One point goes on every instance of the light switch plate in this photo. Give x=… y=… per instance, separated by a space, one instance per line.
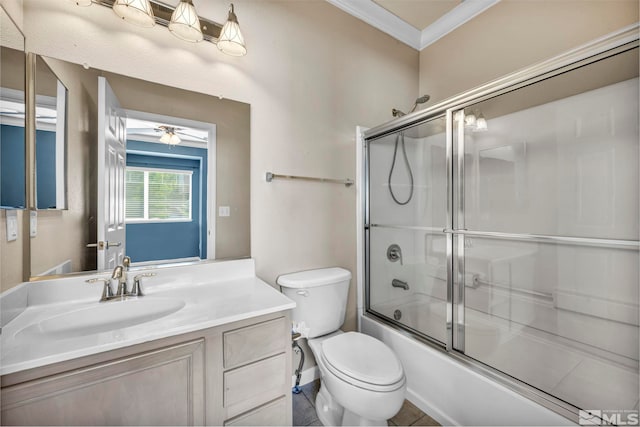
x=33 y=223
x=224 y=211
x=12 y=225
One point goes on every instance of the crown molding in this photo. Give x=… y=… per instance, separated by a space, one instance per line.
x=456 y=17
x=379 y=17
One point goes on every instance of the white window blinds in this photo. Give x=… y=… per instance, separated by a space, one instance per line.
x=157 y=195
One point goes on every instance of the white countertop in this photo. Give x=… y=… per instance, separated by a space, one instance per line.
x=207 y=303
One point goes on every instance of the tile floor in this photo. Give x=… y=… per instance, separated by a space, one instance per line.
x=304 y=411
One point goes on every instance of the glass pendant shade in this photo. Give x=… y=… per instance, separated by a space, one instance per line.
x=470 y=120
x=165 y=138
x=481 y=124
x=185 y=23
x=170 y=137
x=82 y=2
x=231 y=41
x=137 y=12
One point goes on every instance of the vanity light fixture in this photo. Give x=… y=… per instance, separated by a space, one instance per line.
x=231 y=41
x=169 y=136
x=137 y=12
x=185 y=23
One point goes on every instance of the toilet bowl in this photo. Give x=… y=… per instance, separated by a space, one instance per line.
x=362 y=380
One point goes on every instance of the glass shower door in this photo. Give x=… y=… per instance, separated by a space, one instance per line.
x=407 y=215
x=547 y=234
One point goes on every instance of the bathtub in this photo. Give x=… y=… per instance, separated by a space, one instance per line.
x=452 y=392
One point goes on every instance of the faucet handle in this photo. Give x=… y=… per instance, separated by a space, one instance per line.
x=126 y=262
x=107 y=292
x=137 y=286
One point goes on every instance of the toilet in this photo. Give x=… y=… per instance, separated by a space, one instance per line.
x=362 y=382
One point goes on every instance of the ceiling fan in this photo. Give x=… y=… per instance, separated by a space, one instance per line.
x=168 y=134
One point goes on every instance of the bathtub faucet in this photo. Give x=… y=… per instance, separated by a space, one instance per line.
x=400 y=284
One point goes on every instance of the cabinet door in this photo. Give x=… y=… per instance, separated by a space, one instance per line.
x=161 y=387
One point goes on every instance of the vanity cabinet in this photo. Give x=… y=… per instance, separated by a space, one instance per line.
x=235 y=374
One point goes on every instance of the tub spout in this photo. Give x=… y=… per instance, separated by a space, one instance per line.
x=400 y=284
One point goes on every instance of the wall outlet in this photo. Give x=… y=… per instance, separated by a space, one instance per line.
x=224 y=211
x=33 y=223
x=12 y=225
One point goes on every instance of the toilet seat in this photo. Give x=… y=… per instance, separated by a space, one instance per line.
x=363 y=361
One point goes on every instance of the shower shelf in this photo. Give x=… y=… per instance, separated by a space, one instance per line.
x=346 y=182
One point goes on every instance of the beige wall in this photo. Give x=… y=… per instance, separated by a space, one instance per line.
x=514 y=34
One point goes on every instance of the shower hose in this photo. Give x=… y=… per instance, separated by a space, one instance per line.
x=400 y=141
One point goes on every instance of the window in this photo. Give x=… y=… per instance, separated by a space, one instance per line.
x=157 y=195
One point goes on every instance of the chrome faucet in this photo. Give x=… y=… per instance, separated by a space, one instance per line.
x=119 y=275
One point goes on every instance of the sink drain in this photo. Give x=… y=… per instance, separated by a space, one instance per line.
x=397 y=315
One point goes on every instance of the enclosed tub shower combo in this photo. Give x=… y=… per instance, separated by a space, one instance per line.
x=501 y=227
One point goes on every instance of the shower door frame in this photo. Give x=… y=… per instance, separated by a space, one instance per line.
x=620 y=41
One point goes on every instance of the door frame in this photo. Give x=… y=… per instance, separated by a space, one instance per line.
x=211 y=165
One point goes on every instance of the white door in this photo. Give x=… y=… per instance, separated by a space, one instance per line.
x=112 y=156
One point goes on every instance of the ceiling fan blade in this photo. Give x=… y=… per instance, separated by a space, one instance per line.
x=188 y=135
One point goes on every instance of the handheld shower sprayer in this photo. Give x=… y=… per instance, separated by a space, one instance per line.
x=400 y=139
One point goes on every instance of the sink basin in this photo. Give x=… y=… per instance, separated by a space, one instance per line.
x=103 y=317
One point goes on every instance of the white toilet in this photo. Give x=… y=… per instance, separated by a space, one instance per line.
x=362 y=380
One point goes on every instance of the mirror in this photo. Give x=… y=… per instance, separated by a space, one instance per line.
x=12 y=113
x=173 y=203
x=51 y=138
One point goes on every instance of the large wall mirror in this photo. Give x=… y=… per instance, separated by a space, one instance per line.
x=12 y=115
x=51 y=138
x=155 y=172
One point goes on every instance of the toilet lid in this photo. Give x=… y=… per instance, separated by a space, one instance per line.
x=362 y=358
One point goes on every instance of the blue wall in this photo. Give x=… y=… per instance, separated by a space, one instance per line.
x=12 y=164
x=159 y=241
x=46 y=169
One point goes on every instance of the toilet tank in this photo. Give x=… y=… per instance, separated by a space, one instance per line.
x=320 y=296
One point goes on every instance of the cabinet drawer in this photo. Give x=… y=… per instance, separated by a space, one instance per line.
x=254 y=384
x=254 y=342
x=272 y=414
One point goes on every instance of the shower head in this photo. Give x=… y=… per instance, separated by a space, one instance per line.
x=420 y=100
x=423 y=99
